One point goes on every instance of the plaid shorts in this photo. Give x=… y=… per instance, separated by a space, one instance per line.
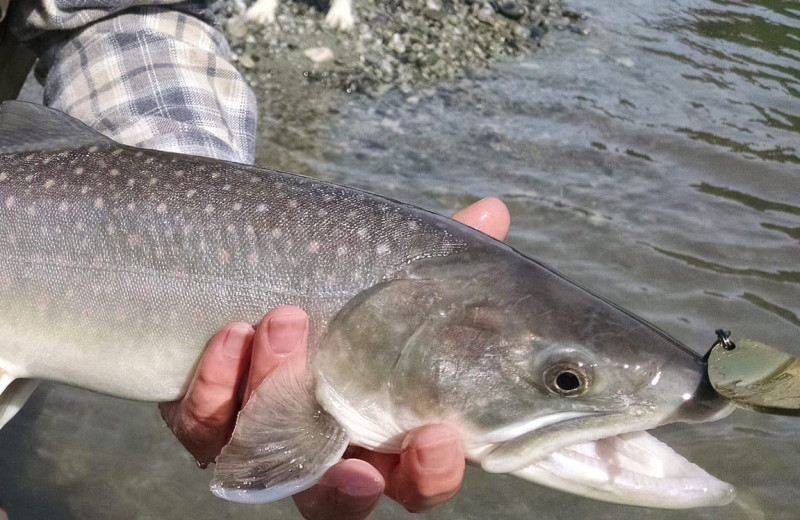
x=149 y=76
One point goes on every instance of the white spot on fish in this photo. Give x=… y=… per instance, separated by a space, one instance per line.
x=412 y=224
x=116 y=151
x=292 y=203
x=224 y=256
x=237 y=206
x=98 y=203
x=210 y=209
x=254 y=179
x=227 y=187
x=179 y=173
x=341 y=251
x=79 y=171
x=252 y=259
x=153 y=181
x=131 y=182
x=49 y=183
x=250 y=230
x=382 y=249
x=111 y=229
x=93 y=148
x=63 y=206
x=79 y=226
x=162 y=208
x=190 y=194
x=362 y=232
x=313 y=247
x=28 y=178
x=261 y=208
x=139 y=153
x=3 y=176
x=113 y=172
x=276 y=233
x=322 y=213
x=214 y=175
x=231 y=229
x=31 y=211
x=131 y=206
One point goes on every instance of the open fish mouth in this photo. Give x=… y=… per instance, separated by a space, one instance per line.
x=631 y=468
x=596 y=456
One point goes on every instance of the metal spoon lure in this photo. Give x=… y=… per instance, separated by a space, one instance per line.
x=754 y=376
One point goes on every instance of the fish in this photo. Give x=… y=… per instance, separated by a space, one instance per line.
x=117 y=264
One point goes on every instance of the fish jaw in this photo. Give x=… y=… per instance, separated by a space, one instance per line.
x=633 y=469
x=607 y=456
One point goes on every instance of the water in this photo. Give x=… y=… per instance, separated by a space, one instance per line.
x=655 y=161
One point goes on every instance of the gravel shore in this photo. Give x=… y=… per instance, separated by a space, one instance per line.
x=300 y=68
x=394 y=44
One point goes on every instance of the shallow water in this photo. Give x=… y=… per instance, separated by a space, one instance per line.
x=655 y=161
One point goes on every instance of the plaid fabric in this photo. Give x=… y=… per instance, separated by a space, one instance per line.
x=149 y=76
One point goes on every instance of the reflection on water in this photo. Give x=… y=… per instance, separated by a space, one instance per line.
x=655 y=161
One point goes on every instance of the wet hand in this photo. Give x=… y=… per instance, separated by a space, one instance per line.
x=427 y=472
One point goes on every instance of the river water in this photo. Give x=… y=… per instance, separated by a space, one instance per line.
x=655 y=160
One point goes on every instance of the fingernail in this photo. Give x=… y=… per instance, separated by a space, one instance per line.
x=234 y=341
x=437 y=456
x=347 y=489
x=284 y=333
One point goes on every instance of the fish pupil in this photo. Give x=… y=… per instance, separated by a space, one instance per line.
x=568 y=381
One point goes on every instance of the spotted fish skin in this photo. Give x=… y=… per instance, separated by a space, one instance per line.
x=118 y=264
x=128 y=260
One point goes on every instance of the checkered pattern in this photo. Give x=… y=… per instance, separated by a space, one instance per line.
x=149 y=76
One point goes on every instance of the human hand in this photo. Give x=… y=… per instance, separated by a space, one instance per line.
x=427 y=472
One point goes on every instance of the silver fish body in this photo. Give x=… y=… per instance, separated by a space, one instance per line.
x=118 y=264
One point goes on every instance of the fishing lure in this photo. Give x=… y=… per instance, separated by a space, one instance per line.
x=754 y=376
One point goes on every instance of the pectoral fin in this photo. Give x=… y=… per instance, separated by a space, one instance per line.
x=283 y=443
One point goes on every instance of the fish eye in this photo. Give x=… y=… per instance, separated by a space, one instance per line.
x=567 y=379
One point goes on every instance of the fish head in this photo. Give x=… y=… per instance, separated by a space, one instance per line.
x=542 y=378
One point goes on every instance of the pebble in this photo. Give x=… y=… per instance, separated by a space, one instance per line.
x=485 y=14
x=318 y=54
x=511 y=9
x=247 y=61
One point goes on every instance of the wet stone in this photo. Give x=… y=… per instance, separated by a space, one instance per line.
x=512 y=9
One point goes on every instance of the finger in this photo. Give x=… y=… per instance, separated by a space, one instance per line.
x=350 y=490
x=431 y=468
x=282 y=334
x=488 y=215
x=202 y=420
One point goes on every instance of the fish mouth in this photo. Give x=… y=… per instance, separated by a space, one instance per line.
x=625 y=466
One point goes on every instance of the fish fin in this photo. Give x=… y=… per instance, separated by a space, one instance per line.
x=283 y=442
x=28 y=127
x=13 y=394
